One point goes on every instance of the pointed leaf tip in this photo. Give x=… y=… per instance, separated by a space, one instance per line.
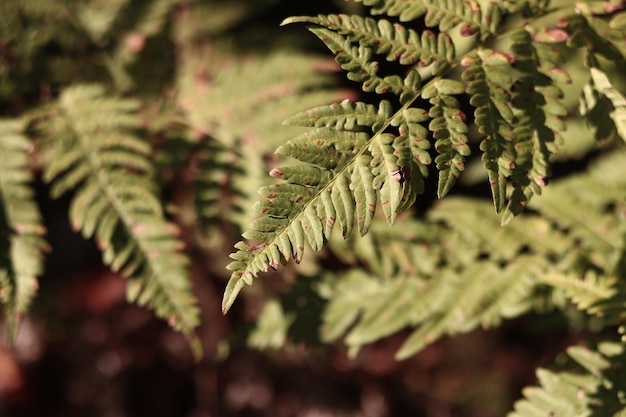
x=507 y=217
x=290 y=20
x=234 y=286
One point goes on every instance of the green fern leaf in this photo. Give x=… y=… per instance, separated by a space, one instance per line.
x=94 y=152
x=473 y=16
x=365 y=308
x=527 y=7
x=358 y=63
x=22 y=244
x=348 y=294
x=343 y=116
x=585 y=198
x=593 y=387
x=344 y=167
x=240 y=119
x=344 y=172
x=533 y=131
x=228 y=109
x=488 y=82
x=449 y=128
x=462 y=242
x=384 y=163
x=587 y=293
x=388 y=252
x=393 y=40
x=10 y=26
x=385 y=311
x=213 y=164
x=483 y=294
x=271 y=327
x=97 y=19
x=476 y=223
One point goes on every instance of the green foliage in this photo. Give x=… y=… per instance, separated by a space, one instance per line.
x=94 y=151
x=593 y=387
x=359 y=156
x=455 y=268
x=22 y=243
x=160 y=120
x=100 y=112
x=471 y=272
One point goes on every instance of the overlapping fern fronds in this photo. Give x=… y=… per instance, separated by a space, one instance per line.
x=363 y=308
x=22 y=243
x=359 y=156
x=94 y=151
x=458 y=269
x=241 y=120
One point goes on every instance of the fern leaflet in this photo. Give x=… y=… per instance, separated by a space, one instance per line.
x=444 y=14
x=393 y=40
x=449 y=129
x=22 y=243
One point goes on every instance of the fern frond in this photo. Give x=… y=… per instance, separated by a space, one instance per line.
x=587 y=293
x=473 y=16
x=240 y=119
x=475 y=222
x=367 y=309
x=483 y=294
x=576 y=213
x=22 y=244
x=388 y=252
x=358 y=295
x=534 y=128
x=95 y=153
x=487 y=75
x=527 y=7
x=358 y=63
x=38 y=23
x=350 y=166
x=45 y=10
x=343 y=116
x=217 y=103
x=393 y=40
x=449 y=130
x=10 y=25
x=344 y=172
x=213 y=164
x=461 y=242
x=594 y=386
x=579 y=205
x=213 y=19
x=271 y=327
x=97 y=18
